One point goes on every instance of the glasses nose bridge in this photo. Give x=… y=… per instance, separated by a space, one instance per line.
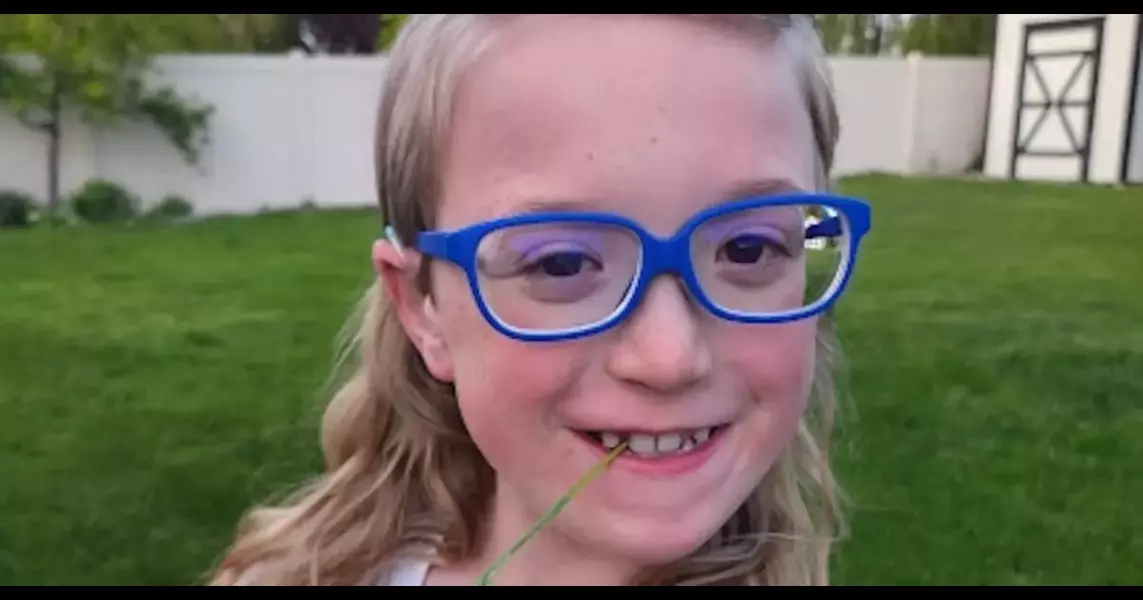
x=666 y=256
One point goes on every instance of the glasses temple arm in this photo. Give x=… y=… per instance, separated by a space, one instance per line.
x=830 y=227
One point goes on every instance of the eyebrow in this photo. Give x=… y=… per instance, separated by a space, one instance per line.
x=539 y=204
x=736 y=191
x=761 y=187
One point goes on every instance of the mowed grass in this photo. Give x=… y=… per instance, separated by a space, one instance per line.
x=156 y=382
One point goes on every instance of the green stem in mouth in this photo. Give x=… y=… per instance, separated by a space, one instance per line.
x=552 y=513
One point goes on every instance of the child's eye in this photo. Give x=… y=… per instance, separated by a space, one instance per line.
x=747 y=249
x=561 y=263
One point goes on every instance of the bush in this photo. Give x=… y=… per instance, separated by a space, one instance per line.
x=17 y=209
x=390 y=27
x=172 y=207
x=100 y=201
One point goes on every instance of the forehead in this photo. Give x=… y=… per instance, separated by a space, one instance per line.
x=651 y=117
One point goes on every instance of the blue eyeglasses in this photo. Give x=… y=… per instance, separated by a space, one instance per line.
x=565 y=275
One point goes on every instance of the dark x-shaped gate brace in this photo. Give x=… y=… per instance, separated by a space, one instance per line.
x=1080 y=145
x=1058 y=104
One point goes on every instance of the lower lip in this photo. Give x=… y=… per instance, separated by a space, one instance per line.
x=671 y=464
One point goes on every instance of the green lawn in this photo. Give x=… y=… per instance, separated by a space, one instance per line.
x=155 y=382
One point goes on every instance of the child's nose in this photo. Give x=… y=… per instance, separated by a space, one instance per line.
x=661 y=346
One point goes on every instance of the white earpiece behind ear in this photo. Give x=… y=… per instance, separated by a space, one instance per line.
x=391 y=235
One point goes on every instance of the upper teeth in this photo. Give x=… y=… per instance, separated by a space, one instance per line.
x=666 y=443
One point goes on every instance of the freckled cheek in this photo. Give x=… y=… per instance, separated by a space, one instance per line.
x=508 y=391
x=774 y=362
x=509 y=397
x=510 y=380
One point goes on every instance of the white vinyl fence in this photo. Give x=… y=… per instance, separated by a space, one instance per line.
x=294 y=129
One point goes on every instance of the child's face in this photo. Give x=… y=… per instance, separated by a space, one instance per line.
x=653 y=119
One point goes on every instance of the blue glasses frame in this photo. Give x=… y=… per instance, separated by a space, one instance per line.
x=660 y=256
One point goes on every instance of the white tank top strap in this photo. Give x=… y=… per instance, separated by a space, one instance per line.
x=407 y=572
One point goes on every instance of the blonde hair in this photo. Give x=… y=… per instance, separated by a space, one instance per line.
x=402 y=473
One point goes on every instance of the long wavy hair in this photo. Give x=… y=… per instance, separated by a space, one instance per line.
x=402 y=475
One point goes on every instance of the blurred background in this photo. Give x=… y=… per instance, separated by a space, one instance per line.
x=184 y=226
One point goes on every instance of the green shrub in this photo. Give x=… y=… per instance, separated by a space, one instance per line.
x=17 y=209
x=101 y=201
x=172 y=207
x=390 y=28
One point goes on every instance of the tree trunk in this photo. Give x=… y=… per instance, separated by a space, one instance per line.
x=52 y=127
x=878 y=32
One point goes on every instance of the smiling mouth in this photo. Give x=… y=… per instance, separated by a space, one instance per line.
x=648 y=445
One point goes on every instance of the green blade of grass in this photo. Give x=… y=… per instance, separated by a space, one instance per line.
x=552 y=513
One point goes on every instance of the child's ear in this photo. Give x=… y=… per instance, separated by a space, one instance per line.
x=432 y=345
x=398 y=268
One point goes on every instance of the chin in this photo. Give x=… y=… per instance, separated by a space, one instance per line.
x=648 y=541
